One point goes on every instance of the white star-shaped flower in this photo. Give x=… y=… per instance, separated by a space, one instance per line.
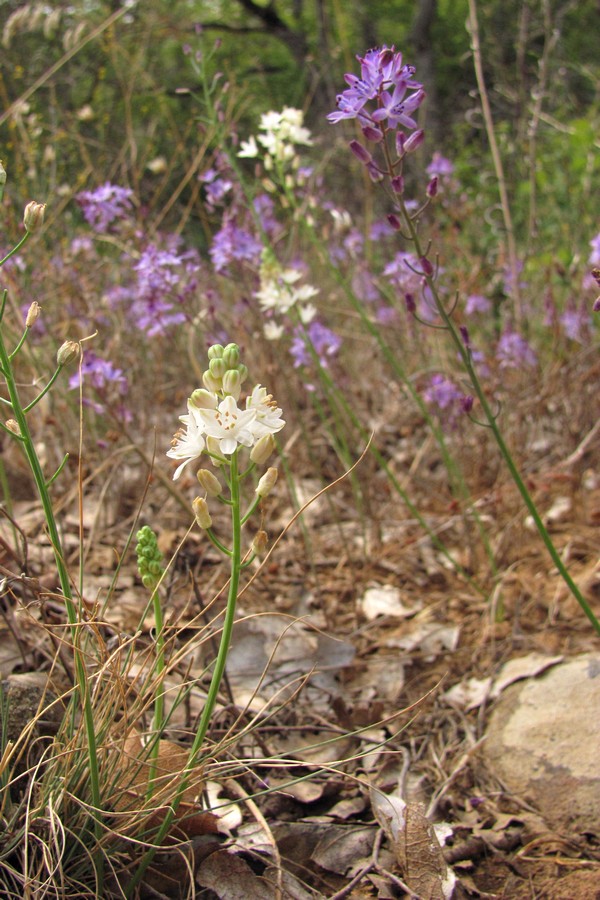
x=189 y=444
x=268 y=415
x=229 y=425
x=249 y=148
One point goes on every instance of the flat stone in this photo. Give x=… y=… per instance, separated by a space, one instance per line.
x=543 y=742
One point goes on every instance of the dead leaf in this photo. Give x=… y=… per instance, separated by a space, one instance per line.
x=231 y=878
x=415 y=845
x=385 y=600
x=342 y=849
x=131 y=786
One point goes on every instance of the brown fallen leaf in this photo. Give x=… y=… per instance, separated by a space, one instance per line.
x=415 y=845
x=131 y=787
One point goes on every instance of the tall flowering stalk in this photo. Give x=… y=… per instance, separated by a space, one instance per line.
x=236 y=439
x=383 y=99
x=18 y=429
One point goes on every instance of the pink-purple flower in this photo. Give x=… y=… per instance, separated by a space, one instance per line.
x=107 y=204
x=384 y=93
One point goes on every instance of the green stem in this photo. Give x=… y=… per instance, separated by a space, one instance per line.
x=215 y=684
x=44 y=391
x=159 y=702
x=491 y=421
x=70 y=607
x=14 y=250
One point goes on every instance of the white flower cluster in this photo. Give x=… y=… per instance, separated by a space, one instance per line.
x=279 y=292
x=214 y=422
x=283 y=131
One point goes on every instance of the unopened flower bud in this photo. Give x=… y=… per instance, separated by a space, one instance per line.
x=211 y=383
x=215 y=351
x=243 y=370
x=398 y=184
x=267 y=482
x=259 y=543
x=2 y=175
x=426 y=266
x=413 y=142
x=400 y=141
x=375 y=174
x=596 y=306
x=232 y=383
x=33 y=314
x=372 y=134
x=33 y=217
x=213 y=448
x=231 y=355
x=68 y=352
x=262 y=449
x=466 y=403
x=200 y=507
x=203 y=399
x=411 y=305
x=13 y=426
x=209 y=482
x=432 y=187
x=394 y=221
x=464 y=333
x=217 y=367
x=360 y=152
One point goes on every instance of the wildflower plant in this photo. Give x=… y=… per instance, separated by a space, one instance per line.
x=383 y=100
x=236 y=440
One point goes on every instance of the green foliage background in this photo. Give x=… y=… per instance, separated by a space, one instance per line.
x=123 y=98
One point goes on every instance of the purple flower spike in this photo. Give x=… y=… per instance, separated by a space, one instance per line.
x=513 y=351
x=380 y=96
x=105 y=205
x=442 y=392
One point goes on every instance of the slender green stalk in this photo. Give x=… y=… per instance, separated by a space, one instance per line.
x=19 y=413
x=217 y=676
x=492 y=423
x=159 y=700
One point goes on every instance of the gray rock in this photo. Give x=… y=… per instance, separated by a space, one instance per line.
x=543 y=742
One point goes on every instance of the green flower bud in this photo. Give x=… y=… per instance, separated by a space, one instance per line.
x=243 y=370
x=215 y=352
x=148 y=558
x=232 y=383
x=200 y=507
x=231 y=355
x=209 y=482
x=211 y=383
x=262 y=449
x=217 y=367
x=267 y=482
x=203 y=399
x=33 y=217
x=68 y=352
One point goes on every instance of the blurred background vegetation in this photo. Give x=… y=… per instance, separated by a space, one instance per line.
x=93 y=90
